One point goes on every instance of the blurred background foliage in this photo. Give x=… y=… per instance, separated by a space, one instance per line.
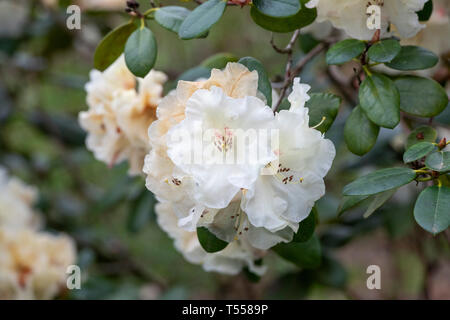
x=121 y=250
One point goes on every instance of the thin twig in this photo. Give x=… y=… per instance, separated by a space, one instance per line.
x=291 y=74
x=288 y=48
x=344 y=86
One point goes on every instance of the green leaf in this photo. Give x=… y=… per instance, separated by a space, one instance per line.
x=349 y=202
x=303 y=254
x=439 y=161
x=219 y=60
x=112 y=46
x=421 y=96
x=263 y=80
x=331 y=273
x=379 y=181
x=277 y=8
x=421 y=134
x=251 y=276
x=323 y=105
x=307 y=42
x=431 y=210
x=425 y=13
x=195 y=73
x=140 y=52
x=306 y=227
x=360 y=133
x=344 y=51
x=171 y=17
x=380 y=100
x=378 y=200
x=303 y=18
x=141 y=213
x=209 y=242
x=417 y=151
x=201 y=19
x=384 y=50
x=413 y=58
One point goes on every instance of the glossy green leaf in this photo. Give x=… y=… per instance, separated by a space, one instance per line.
x=413 y=58
x=303 y=254
x=112 y=46
x=360 y=133
x=209 y=242
x=323 y=105
x=201 y=19
x=377 y=201
x=417 y=151
x=277 y=8
x=421 y=96
x=349 y=202
x=171 y=17
x=140 y=52
x=379 y=181
x=439 y=161
x=421 y=134
x=344 y=51
x=331 y=273
x=307 y=42
x=425 y=13
x=431 y=210
x=306 y=227
x=384 y=50
x=219 y=60
x=380 y=100
x=303 y=18
x=264 y=85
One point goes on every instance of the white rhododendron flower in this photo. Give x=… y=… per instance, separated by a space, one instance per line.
x=312 y=4
x=231 y=260
x=120 y=113
x=304 y=157
x=398 y=17
x=33 y=264
x=164 y=179
x=16 y=203
x=213 y=119
x=234 y=200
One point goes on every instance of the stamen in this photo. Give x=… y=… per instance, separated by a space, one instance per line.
x=321 y=121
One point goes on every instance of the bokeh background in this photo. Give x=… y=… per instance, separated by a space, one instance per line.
x=122 y=252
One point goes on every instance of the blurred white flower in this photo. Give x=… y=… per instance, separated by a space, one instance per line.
x=351 y=16
x=33 y=264
x=231 y=260
x=16 y=203
x=120 y=113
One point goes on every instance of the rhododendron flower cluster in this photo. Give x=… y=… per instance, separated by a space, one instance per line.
x=33 y=263
x=235 y=201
